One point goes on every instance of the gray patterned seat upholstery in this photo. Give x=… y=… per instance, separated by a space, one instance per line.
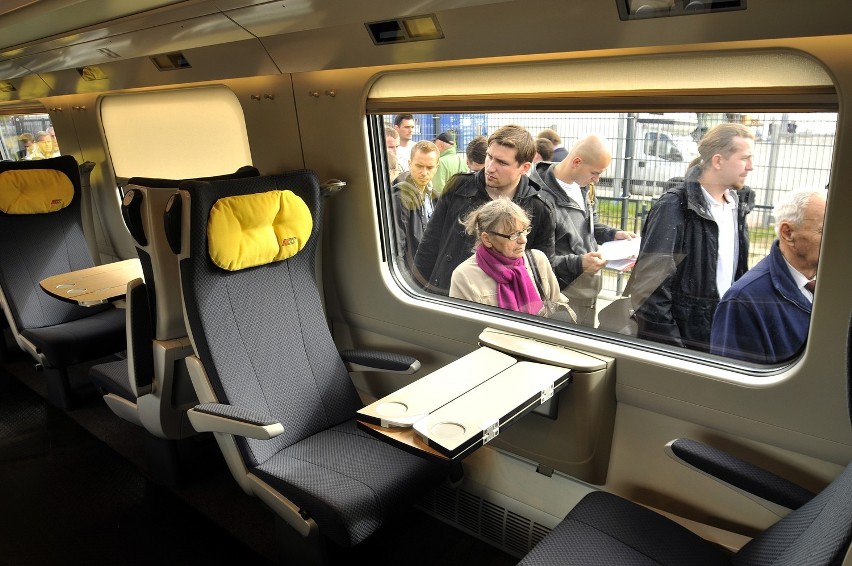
x=606 y=529
x=266 y=361
x=57 y=334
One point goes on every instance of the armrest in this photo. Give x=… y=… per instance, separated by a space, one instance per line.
x=375 y=360
x=216 y=417
x=740 y=474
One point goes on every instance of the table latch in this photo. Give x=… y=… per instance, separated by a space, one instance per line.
x=547 y=393
x=490 y=431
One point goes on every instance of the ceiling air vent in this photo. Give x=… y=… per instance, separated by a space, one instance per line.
x=415 y=28
x=170 y=61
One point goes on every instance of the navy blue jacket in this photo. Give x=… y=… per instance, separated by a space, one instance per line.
x=763 y=317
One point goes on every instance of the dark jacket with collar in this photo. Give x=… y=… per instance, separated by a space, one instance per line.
x=559 y=153
x=410 y=217
x=763 y=317
x=445 y=245
x=574 y=236
x=673 y=285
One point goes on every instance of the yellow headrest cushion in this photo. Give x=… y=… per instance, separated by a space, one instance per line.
x=249 y=230
x=34 y=191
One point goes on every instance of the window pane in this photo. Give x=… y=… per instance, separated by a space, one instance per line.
x=680 y=276
x=27 y=137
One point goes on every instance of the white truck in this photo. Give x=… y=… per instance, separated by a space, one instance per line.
x=656 y=155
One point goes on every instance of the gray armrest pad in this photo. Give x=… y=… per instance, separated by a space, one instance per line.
x=376 y=360
x=741 y=474
x=217 y=417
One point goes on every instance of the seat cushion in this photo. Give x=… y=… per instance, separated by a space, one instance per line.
x=347 y=481
x=604 y=529
x=80 y=340
x=113 y=377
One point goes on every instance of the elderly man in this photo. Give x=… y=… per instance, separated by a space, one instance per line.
x=764 y=316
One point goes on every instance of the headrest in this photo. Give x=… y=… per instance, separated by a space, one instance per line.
x=157 y=183
x=250 y=230
x=34 y=191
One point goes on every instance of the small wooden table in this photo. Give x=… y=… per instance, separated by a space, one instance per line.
x=453 y=411
x=94 y=285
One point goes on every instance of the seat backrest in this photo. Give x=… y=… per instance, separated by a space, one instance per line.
x=260 y=332
x=820 y=531
x=36 y=246
x=154 y=309
x=143 y=208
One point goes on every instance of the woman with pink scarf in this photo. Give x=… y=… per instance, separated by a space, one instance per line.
x=500 y=273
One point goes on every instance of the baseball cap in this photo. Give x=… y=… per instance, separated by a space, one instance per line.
x=444 y=137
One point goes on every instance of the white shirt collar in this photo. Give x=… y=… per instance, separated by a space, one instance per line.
x=800 y=280
x=729 y=199
x=573 y=191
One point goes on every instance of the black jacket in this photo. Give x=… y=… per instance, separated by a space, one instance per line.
x=409 y=215
x=445 y=245
x=574 y=236
x=673 y=285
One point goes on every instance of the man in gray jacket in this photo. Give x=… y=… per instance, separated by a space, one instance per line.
x=576 y=262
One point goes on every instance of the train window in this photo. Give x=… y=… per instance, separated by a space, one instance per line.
x=657 y=179
x=174 y=133
x=27 y=137
x=651 y=130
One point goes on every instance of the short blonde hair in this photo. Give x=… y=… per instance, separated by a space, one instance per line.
x=425 y=146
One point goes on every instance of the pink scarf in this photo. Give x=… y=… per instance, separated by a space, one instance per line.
x=515 y=289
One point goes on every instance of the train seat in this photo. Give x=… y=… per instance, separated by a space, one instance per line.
x=606 y=529
x=150 y=388
x=41 y=241
x=272 y=386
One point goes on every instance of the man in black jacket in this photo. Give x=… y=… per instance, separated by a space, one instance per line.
x=413 y=198
x=694 y=243
x=445 y=245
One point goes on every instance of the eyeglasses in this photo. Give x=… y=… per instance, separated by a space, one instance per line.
x=514 y=235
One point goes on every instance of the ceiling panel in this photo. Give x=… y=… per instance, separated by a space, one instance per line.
x=23 y=22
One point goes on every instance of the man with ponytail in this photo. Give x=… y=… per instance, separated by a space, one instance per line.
x=694 y=243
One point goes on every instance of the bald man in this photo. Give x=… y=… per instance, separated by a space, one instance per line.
x=577 y=263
